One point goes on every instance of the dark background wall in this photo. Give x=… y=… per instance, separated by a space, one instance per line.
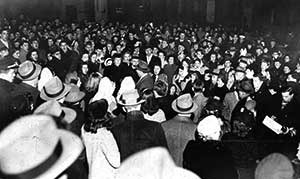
x=238 y=12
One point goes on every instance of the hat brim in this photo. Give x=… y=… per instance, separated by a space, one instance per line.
x=78 y=98
x=130 y=104
x=33 y=76
x=175 y=108
x=145 y=70
x=72 y=148
x=64 y=93
x=70 y=115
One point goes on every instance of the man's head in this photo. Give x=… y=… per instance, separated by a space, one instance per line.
x=117 y=59
x=258 y=80
x=63 y=46
x=8 y=69
x=287 y=94
x=4 y=34
x=24 y=45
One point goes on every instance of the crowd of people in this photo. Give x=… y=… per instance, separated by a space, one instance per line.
x=114 y=100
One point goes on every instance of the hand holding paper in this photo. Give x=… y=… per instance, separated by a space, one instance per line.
x=273 y=125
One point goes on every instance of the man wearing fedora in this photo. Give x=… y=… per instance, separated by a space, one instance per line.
x=55 y=89
x=145 y=81
x=40 y=150
x=136 y=133
x=28 y=72
x=180 y=129
x=7 y=89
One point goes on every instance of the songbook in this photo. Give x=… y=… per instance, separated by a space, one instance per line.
x=273 y=125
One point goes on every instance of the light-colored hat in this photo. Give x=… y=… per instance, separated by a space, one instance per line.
x=130 y=98
x=28 y=71
x=54 y=89
x=75 y=95
x=159 y=165
x=210 y=127
x=33 y=147
x=184 y=104
x=53 y=108
x=274 y=166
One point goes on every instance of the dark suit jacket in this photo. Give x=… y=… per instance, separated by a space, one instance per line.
x=24 y=88
x=136 y=134
x=7 y=93
x=145 y=82
x=209 y=160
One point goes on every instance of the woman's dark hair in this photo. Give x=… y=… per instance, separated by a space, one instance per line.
x=97 y=116
x=212 y=107
x=150 y=106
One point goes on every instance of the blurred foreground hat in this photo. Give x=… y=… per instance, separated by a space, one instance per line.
x=33 y=147
x=159 y=165
x=274 y=166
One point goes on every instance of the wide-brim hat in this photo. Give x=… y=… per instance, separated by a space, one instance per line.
x=8 y=63
x=159 y=165
x=54 y=89
x=184 y=104
x=130 y=98
x=28 y=71
x=38 y=150
x=53 y=108
x=143 y=66
x=75 y=95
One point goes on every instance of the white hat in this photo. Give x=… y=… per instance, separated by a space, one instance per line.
x=153 y=163
x=210 y=127
x=33 y=147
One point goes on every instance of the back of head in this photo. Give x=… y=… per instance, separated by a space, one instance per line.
x=151 y=105
x=274 y=166
x=161 y=88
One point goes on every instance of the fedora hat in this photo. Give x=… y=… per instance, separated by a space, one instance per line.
x=130 y=98
x=8 y=63
x=184 y=104
x=53 y=108
x=75 y=95
x=33 y=147
x=28 y=71
x=159 y=165
x=143 y=66
x=54 y=89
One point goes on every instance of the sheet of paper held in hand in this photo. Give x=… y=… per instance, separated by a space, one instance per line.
x=273 y=125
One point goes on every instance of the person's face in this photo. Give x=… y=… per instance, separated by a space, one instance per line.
x=156 y=70
x=180 y=48
x=16 y=54
x=213 y=57
x=197 y=64
x=275 y=55
x=259 y=51
x=239 y=75
x=64 y=47
x=264 y=66
x=85 y=57
x=277 y=64
x=286 y=69
x=4 y=35
x=185 y=65
x=57 y=55
x=181 y=36
x=117 y=61
x=214 y=79
x=134 y=62
x=50 y=42
x=172 y=90
x=287 y=97
x=148 y=51
x=85 y=69
x=35 y=44
x=242 y=94
x=25 y=46
x=227 y=64
x=161 y=55
x=220 y=83
x=34 y=56
x=257 y=83
x=126 y=57
x=93 y=58
x=286 y=59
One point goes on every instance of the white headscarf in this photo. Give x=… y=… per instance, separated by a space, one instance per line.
x=105 y=91
x=210 y=128
x=127 y=84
